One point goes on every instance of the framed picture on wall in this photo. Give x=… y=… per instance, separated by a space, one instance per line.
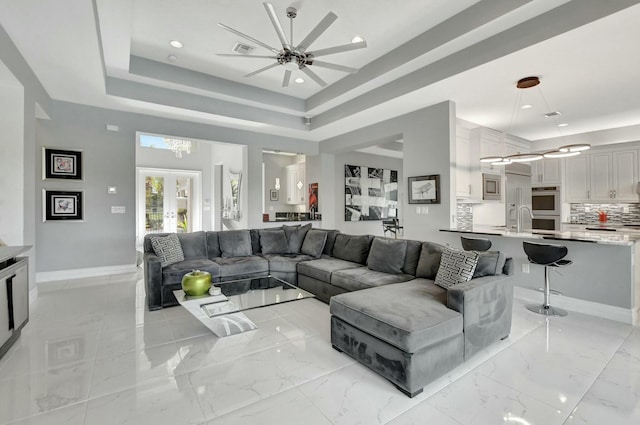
x=61 y=164
x=273 y=195
x=62 y=205
x=424 y=189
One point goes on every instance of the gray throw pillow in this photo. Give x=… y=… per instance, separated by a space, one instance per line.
x=295 y=236
x=456 y=267
x=273 y=242
x=168 y=249
x=352 y=248
x=387 y=255
x=490 y=263
x=235 y=243
x=314 y=243
x=429 y=261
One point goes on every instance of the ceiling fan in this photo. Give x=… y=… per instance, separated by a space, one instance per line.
x=292 y=56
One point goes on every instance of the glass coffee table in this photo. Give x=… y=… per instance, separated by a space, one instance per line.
x=222 y=314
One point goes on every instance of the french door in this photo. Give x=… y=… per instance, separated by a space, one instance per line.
x=168 y=201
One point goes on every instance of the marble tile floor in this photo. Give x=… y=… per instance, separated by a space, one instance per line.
x=92 y=354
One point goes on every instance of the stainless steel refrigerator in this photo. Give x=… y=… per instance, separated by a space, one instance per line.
x=518 y=195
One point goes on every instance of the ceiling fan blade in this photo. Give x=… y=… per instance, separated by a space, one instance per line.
x=317 y=31
x=248 y=37
x=287 y=78
x=273 y=65
x=334 y=66
x=237 y=55
x=276 y=24
x=313 y=76
x=339 y=49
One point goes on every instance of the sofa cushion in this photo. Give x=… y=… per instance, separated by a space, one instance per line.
x=423 y=321
x=194 y=244
x=235 y=243
x=314 y=243
x=456 y=266
x=490 y=263
x=429 y=261
x=387 y=255
x=273 y=242
x=285 y=263
x=331 y=240
x=351 y=247
x=173 y=273
x=242 y=266
x=363 y=278
x=213 y=245
x=168 y=249
x=322 y=268
x=295 y=236
x=412 y=257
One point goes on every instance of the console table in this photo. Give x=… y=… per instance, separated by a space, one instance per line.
x=14 y=294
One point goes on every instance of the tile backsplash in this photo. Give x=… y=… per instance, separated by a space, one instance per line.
x=464 y=216
x=616 y=213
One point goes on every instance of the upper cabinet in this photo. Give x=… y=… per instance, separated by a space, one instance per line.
x=295 y=181
x=604 y=176
x=463 y=163
x=545 y=172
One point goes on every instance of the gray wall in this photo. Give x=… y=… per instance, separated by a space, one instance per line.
x=429 y=148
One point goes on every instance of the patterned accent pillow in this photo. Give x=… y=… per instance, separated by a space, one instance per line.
x=456 y=267
x=168 y=249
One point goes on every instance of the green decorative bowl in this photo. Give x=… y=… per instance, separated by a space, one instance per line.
x=196 y=283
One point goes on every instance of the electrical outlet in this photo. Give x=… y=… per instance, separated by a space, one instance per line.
x=418 y=210
x=525 y=267
x=118 y=210
x=425 y=210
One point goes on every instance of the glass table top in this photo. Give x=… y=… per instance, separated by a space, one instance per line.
x=246 y=294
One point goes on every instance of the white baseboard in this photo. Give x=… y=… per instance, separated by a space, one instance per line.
x=33 y=295
x=619 y=314
x=82 y=273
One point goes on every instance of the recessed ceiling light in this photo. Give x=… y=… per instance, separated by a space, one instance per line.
x=176 y=44
x=564 y=124
x=553 y=114
x=527 y=106
x=357 y=39
x=299 y=80
x=172 y=58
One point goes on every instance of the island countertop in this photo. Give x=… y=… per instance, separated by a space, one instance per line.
x=591 y=236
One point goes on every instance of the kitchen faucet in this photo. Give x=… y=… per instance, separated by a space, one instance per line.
x=519 y=219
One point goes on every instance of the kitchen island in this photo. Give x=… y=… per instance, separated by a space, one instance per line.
x=604 y=279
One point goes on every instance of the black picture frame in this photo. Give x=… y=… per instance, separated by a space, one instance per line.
x=65 y=164
x=62 y=205
x=424 y=189
x=273 y=195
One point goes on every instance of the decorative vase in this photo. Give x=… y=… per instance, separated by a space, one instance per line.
x=196 y=283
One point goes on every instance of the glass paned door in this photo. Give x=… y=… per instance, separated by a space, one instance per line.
x=169 y=202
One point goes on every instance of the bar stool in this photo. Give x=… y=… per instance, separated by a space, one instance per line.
x=546 y=255
x=475 y=244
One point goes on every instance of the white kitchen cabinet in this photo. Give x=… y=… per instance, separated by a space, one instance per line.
x=14 y=295
x=463 y=163
x=545 y=172
x=577 y=179
x=602 y=176
x=295 y=181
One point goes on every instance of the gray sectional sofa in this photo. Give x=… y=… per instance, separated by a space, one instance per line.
x=386 y=310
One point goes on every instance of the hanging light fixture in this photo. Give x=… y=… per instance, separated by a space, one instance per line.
x=178 y=146
x=561 y=152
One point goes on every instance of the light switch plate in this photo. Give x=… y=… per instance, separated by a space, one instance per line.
x=118 y=210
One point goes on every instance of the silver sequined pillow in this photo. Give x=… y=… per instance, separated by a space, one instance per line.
x=456 y=267
x=168 y=249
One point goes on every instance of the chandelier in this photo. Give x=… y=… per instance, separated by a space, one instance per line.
x=178 y=146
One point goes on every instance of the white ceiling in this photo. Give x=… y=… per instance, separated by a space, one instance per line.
x=114 y=54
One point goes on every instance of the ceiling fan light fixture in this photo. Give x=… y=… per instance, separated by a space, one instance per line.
x=579 y=147
x=176 y=43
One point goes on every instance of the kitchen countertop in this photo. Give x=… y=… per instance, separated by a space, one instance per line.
x=600 y=237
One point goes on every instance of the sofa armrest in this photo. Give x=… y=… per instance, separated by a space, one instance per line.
x=153 y=280
x=486 y=304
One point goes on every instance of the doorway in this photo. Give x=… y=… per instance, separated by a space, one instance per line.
x=168 y=201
